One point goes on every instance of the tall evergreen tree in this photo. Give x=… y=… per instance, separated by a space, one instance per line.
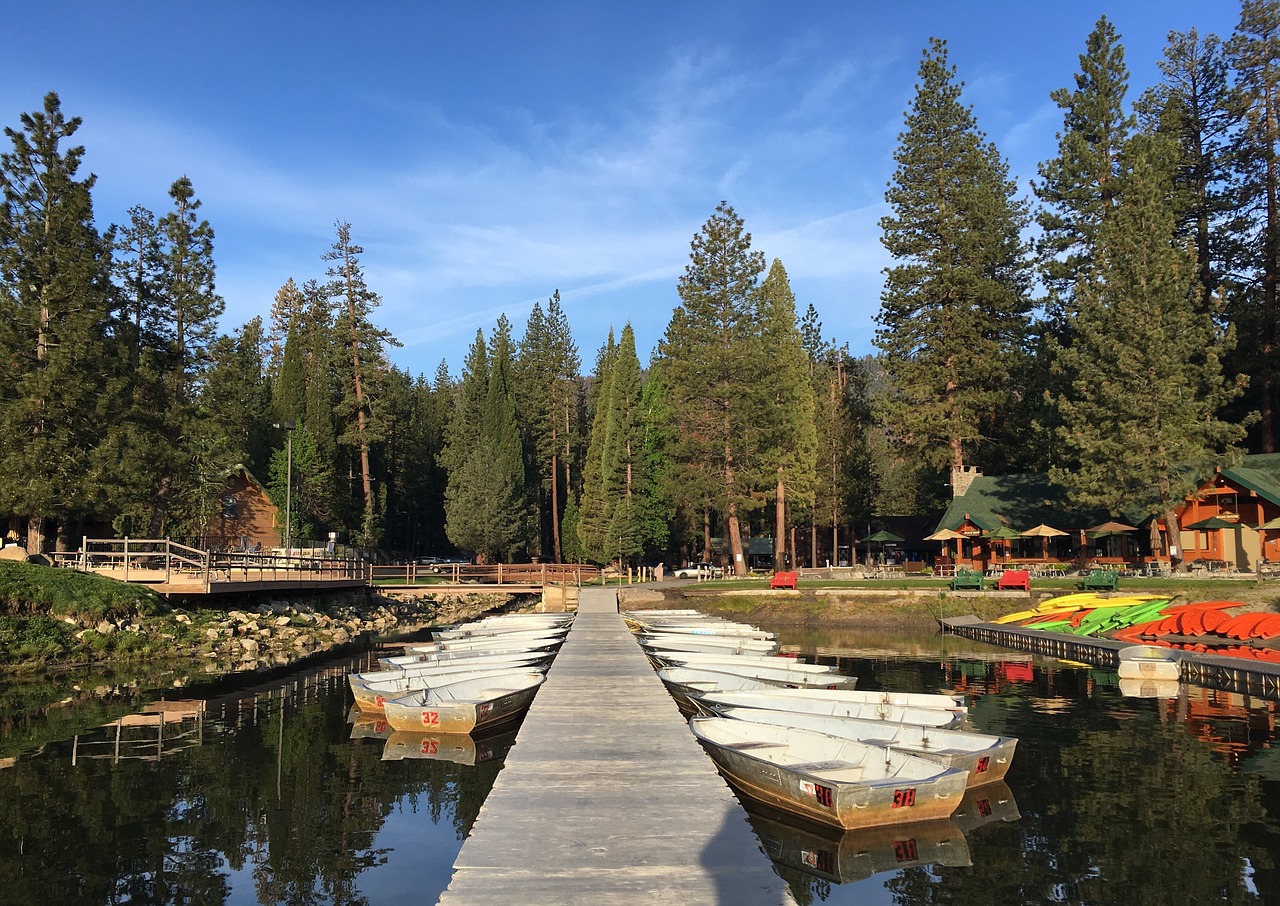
x=792 y=445
x=484 y=499
x=57 y=331
x=547 y=368
x=187 y=325
x=190 y=305
x=655 y=508
x=1254 y=53
x=1193 y=106
x=235 y=398
x=1080 y=186
x=713 y=360
x=609 y=526
x=288 y=309
x=362 y=367
x=592 y=512
x=1143 y=381
x=954 y=307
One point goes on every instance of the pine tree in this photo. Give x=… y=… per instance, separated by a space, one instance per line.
x=362 y=366
x=1254 y=53
x=484 y=498
x=288 y=309
x=1193 y=106
x=234 y=405
x=1080 y=186
x=793 y=441
x=57 y=331
x=1143 y=380
x=654 y=509
x=955 y=305
x=190 y=306
x=714 y=362
x=623 y=463
x=592 y=515
x=186 y=326
x=547 y=368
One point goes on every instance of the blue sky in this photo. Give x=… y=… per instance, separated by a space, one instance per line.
x=487 y=154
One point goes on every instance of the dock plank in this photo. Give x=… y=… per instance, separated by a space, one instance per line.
x=607 y=797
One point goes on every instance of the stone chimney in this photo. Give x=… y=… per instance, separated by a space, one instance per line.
x=961 y=478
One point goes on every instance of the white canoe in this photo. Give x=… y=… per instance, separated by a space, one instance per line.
x=668 y=658
x=782 y=677
x=836 y=782
x=708 y=627
x=709 y=644
x=410 y=663
x=526 y=637
x=986 y=758
x=465 y=706
x=371 y=690
x=862 y=705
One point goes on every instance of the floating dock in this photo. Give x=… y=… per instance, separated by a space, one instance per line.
x=607 y=797
x=1231 y=674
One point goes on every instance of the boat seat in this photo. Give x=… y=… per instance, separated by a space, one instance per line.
x=833 y=770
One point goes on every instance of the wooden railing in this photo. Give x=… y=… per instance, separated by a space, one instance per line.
x=495 y=574
x=165 y=562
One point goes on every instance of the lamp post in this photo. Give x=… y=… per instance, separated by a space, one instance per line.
x=288 y=486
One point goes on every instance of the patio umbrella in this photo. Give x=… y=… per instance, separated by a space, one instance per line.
x=1044 y=533
x=1111 y=528
x=1003 y=534
x=882 y=536
x=945 y=535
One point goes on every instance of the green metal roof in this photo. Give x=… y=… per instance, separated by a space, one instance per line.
x=1259 y=473
x=1019 y=501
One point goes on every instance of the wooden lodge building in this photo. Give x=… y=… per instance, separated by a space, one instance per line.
x=1231 y=523
x=245 y=519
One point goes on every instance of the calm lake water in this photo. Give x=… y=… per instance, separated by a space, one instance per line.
x=277 y=796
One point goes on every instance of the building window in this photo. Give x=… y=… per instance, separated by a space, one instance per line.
x=229 y=506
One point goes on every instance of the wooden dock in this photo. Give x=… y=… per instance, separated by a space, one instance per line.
x=607 y=797
x=1201 y=668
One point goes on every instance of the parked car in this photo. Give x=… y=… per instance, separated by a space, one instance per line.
x=442 y=564
x=699 y=570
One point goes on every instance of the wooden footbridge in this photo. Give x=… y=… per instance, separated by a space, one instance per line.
x=170 y=568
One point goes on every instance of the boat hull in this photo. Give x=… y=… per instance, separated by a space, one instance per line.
x=1149 y=662
x=463 y=715
x=372 y=691
x=834 y=795
x=986 y=758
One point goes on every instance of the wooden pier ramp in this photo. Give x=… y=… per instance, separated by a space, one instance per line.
x=607 y=797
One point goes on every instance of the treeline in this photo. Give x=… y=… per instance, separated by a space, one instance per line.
x=1105 y=351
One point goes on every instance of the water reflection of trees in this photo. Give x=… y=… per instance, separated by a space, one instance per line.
x=287 y=795
x=1122 y=800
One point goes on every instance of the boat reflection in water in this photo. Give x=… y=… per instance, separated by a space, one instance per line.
x=367 y=726
x=842 y=858
x=460 y=748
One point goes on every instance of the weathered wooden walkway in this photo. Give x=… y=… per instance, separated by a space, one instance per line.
x=607 y=797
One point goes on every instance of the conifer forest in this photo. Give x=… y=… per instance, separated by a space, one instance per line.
x=1112 y=324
